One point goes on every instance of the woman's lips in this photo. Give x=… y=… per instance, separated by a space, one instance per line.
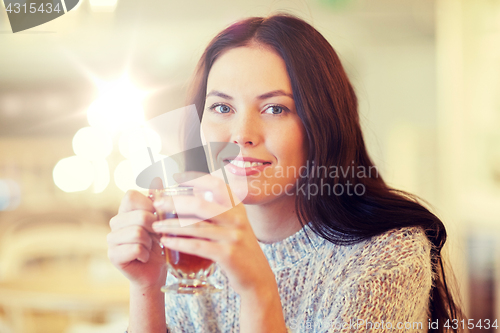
x=246 y=166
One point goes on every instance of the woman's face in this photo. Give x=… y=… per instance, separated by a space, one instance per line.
x=250 y=103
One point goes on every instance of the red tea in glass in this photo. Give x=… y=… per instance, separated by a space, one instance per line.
x=191 y=271
x=182 y=263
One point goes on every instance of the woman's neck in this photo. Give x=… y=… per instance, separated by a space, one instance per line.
x=275 y=220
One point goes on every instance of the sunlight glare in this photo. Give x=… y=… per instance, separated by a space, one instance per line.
x=118 y=107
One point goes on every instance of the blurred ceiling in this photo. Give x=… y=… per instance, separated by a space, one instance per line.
x=46 y=72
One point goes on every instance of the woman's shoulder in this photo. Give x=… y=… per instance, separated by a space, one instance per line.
x=406 y=248
x=413 y=237
x=393 y=268
x=400 y=242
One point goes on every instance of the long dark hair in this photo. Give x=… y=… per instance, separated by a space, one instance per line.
x=327 y=105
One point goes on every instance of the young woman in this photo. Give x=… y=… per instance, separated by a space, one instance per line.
x=328 y=249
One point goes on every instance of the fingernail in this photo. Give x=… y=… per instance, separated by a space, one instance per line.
x=156 y=184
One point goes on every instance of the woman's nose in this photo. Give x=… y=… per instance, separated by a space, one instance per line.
x=246 y=130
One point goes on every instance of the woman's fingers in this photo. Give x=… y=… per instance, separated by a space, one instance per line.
x=134 y=200
x=195 y=246
x=123 y=254
x=203 y=230
x=187 y=206
x=206 y=182
x=141 y=218
x=131 y=235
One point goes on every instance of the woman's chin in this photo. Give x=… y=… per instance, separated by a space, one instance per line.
x=251 y=200
x=257 y=199
x=244 y=196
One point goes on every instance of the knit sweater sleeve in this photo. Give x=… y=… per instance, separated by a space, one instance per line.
x=389 y=288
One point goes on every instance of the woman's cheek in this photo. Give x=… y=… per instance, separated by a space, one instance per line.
x=215 y=131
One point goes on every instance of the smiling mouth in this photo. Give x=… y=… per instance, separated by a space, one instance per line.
x=246 y=164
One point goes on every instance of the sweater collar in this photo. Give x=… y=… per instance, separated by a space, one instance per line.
x=291 y=250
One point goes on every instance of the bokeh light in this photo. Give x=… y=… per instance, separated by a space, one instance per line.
x=126 y=172
x=73 y=174
x=92 y=143
x=124 y=177
x=101 y=175
x=137 y=140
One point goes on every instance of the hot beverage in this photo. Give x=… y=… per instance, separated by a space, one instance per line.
x=182 y=263
x=191 y=271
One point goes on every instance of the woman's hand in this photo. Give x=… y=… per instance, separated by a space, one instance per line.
x=227 y=238
x=133 y=246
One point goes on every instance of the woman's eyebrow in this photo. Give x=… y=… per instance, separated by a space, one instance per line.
x=270 y=94
x=275 y=93
x=219 y=94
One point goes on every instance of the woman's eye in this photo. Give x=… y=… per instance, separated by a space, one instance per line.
x=275 y=109
x=222 y=108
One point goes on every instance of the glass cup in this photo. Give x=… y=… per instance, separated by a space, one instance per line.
x=191 y=271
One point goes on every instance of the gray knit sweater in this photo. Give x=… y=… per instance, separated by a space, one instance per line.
x=379 y=285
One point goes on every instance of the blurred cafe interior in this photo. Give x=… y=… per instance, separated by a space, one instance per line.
x=427 y=75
